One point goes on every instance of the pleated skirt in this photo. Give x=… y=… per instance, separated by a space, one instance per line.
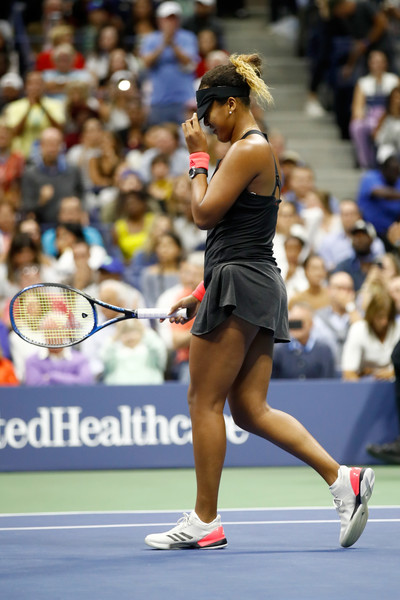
x=254 y=292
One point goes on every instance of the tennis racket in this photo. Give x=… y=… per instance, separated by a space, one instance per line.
x=55 y=315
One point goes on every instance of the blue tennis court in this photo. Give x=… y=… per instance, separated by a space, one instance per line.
x=285 y=554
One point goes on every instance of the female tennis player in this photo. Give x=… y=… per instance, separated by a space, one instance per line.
x=241 y=310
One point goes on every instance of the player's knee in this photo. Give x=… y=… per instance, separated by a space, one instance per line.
x=248 y=418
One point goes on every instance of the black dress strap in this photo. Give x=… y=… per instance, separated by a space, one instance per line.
x=277 y=178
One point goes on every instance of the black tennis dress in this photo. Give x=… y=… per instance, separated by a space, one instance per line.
x=241 y=276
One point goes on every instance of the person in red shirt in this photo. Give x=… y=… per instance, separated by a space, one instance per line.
x=59 y=35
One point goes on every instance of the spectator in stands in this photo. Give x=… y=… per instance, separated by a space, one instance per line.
x=203 y=18
x=135 y=355
x=176 y=336
x=133 y=136
x=131 y=229
x=287 y=217
x=161 y=184
x=157 y=278
x=11 y=166
x=180 y=207
x=169 y=54
x=46 y=183
x=379 y=275
x=23 y=252
x=102 y=168
x=60 y=34
x=293 y=270
x=52 y=14
x=143 y=22
x=11 y=87
x=71 y=211
x=319 y=218
x=387 y=132
x=305 y=357
x=370 y=341
x=208 y=42
x=31 y=226
x=68 y=237
x=8 y=222
x=362 y=28
x=369 y=100
x=88 y=147
x=337 y=247
x=362 y=259
x=7 y=371
x=112 y=291
x=301 y=184
x=332 y=322
x=57 y=366
x=389 y=452
x=80 y=106
x=379 y=195
x=165 y=139
x=316 y=294
x=28 y=275
x=98 y=61
x=146 y=256
x=64 y=72
x=28 y=117
x=394 y=290
x=4 y=342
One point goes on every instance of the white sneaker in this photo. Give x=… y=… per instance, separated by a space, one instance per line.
x=351 y=491
x=314 y=109
x=190 y=532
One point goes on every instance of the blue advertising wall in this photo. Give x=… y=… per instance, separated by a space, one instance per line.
x=107 y=427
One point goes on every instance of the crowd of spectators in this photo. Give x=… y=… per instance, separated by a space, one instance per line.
x=95 y=193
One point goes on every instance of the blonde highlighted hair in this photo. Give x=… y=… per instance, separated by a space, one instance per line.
x=249 y=67
x=242 y=69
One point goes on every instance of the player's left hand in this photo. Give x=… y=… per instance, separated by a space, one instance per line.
x=195 y=137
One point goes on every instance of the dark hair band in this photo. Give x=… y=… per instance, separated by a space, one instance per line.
x=206 y=96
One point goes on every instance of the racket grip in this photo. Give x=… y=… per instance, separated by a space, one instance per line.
x=160 y=313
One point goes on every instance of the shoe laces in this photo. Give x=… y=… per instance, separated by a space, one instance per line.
x=184 y=520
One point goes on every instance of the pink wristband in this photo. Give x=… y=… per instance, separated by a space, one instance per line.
x=199 y=160
x=199 y=291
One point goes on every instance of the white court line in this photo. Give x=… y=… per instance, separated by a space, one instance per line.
x=125 y=525
x=180 y=510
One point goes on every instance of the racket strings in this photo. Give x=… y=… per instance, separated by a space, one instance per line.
x=53 y=316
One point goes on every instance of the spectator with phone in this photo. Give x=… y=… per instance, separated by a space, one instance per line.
x=306 y=356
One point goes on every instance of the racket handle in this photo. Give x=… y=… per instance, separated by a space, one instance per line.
x=159 y=313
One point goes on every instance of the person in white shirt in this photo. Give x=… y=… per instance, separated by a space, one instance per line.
x=370 y=341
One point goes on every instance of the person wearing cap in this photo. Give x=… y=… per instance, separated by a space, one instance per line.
x=11 y=86
x=28 y=117
x=241 y=308
x=337 y=246
x=379 y=195
x=358 y=265
x=170 y=56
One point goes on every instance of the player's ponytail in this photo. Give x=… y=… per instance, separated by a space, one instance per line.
x=248 y=66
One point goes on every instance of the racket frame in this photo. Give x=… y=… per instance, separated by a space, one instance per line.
x=126 y=312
